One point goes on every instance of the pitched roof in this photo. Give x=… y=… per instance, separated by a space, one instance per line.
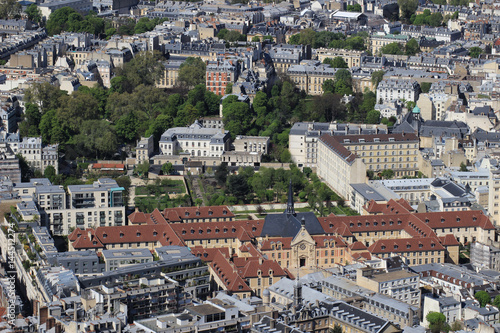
x=449 y=240
x=462 y=219
x=218 y=230
x=209 y=254
x=331 y=142
x=288 y=225
x=228 y=275
x=179 y=214
x=406 y=245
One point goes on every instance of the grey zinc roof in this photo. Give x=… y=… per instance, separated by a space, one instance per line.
x=368 y=192
x=288 y=225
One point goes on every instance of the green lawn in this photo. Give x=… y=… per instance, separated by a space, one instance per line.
x=148 y=204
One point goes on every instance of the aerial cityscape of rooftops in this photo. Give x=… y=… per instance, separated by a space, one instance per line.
x=250 y=166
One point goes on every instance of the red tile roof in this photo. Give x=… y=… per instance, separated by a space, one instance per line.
x=357 y=246
x=209 y=254
x=228 y=275
x=392 y=206
x=406 y=245
x=285 y=242
x=179 y=214
x=86 y=240
x=324 y=241
x=462 y=219
x=162 y=234
x=267 y=268
x=449 y=240
x=218 y=230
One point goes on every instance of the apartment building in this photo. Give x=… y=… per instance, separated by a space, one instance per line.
x=485 y=255
x=144 y=297
x=378 y=41
x=398 y=152
x=494 y=196
x=310 y=77
x=82 y=206
x=38 y=155
x=144 y=149
x=9 y=164
x=401 y=285
x=351 y=57
x=82 y=6
x=221 y=73
x=381 y=305
x=252 y=144
x=196 y=140
x=304 y=136
x=390 y=90
x=338 y=166
x=284 y=55
x=438 y=33
x=170 y=77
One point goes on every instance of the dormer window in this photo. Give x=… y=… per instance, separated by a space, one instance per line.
x=138 y=234
x=224 y=212
x=458 y=219
x=121 y=235
x=432 y=245
x=233 y=230
x=225 y=230
x=426 y=220
x=217 y=230
x=197 y=213
x=442 y=220
x=186 y=213
x=105 y=236
x=200 y=231
x=209 y=230
x=420 y=245
x=192 y=231
x=155 y=233
x=408 y=246
x=383 y=247
x=183 y=232
x=210 y=212
x=395 y=246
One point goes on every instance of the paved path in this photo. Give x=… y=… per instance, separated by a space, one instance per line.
x=196 y=190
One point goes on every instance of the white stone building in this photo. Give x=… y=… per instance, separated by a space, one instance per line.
x=390 y=90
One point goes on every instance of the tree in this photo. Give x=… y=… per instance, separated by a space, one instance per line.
x=32 y=118
x=456 y=326
x=255 y=39
x=336 y=329
x=407 y=8
x=412 y=47
x=387 y=174
x=237 y=117
x=192 y=72
x=463 y=167
x=373 y=117
x=10 y=9
x=496 y=301
x=45 y=95
x=328 y=86
x=377 y=77
x=337 y=62
x=237 y=185
x=221 y=174
x=50 y=173
x=392 y=48
x=437 y=321
x=475 y=51
x=142 y=169
x=354 y=8
x=34 y=14
x=425 y=87
x=436 y=19
x=482 y=297
x=167 y=168
x=146 y=68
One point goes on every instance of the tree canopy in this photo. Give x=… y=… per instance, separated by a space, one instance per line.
x=192 y=72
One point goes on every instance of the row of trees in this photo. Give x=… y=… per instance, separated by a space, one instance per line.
x=68 y=19
x=269 y=185
x=335 y=40
x=411 y=48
